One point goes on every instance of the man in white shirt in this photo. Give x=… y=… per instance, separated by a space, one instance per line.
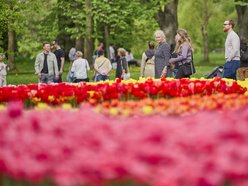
x=232 y=51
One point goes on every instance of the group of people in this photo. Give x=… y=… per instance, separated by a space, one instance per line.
x=49 y=65
x=165 y=62
x=157 y=62
x=103 y=65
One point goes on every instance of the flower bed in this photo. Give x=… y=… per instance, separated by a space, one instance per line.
x=207 y=148
x=175 y=106
x=175 y=132
x=56 y=94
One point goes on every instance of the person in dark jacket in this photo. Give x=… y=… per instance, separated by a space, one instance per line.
x=121 y=63
x=162 y=56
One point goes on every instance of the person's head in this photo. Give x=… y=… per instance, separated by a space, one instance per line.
x=228 y=25
x=121 y=52
x=55 y=44
x=100 y=52
x=159 y=36
x=2 y=56
x=100 y=46
x=79 y=54
x=151 y=45
x=182 y=37
x=46 y=47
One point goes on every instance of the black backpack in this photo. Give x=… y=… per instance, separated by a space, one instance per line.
x=244 y=55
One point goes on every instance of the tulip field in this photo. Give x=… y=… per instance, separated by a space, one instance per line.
x=146 y=132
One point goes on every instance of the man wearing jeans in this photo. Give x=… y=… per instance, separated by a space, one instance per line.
x=232 y=51
x=102 y=67
x=46 y=66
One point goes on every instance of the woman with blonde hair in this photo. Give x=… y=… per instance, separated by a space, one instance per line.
x=184 y=59
x=79 y=68
x=162 y=56
x=122 y=67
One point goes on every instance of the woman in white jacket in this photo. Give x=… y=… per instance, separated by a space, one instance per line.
x=79 y=68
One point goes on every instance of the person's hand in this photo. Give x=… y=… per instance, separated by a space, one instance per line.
x=60 y=72
x=39 y=75
x=56 y=77
x=172 y=66
x=164 y=72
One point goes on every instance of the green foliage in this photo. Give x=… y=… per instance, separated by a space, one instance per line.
x=3 y=16
x=241 y=2
x=71 y=17
x=31 y=20
x=190 y=18
x=131 y=23
x=120 y=16
x=39 y=25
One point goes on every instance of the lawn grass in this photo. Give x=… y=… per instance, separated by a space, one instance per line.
x=25 y=69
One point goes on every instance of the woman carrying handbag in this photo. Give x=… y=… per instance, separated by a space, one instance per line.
x=184 y=59
x=122 y=66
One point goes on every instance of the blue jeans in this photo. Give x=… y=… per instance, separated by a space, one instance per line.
x=175 y=70
x=101 y=77
x=230 y=68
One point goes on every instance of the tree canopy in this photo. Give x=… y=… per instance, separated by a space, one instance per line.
x=129 y=24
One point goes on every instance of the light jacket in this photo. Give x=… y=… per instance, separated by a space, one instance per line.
x=52 y=64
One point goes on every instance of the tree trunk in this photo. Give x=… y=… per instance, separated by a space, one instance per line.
x=88 y=41
x=80 y=44
x=106 y=34
x=204 y=29
x=167 y=20
x=242 y=12
x=11 y=41
x=11 y=49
